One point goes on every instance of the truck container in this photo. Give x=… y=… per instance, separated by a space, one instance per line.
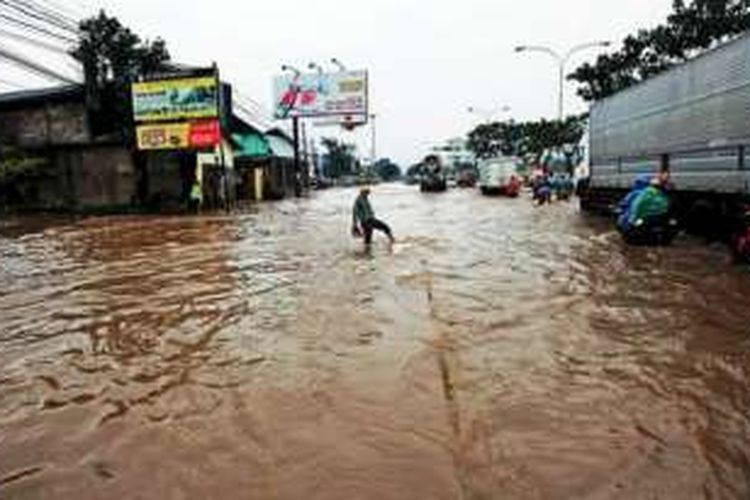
x=692 y=121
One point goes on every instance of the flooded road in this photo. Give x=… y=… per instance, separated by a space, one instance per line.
x=499 y=351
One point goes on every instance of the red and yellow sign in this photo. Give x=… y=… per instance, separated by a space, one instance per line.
x=185 y=135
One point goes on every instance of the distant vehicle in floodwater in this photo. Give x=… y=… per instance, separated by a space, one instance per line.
x=433 y=176
x=467 y=178
x=499 y=176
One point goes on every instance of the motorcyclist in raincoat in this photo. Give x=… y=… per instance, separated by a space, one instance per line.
x=624 y=208
x=649 y=222
x=651 y=205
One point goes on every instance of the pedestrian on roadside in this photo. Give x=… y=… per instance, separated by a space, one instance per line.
x=196 y=197
x=364 y=221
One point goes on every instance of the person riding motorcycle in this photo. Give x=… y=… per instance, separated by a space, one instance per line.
x=624 y=208
x=649 y=222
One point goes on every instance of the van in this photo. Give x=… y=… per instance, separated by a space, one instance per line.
x=499 y=176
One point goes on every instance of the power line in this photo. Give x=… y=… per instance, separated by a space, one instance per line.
x=253 y=118
x=53 y=10
x=34 y=67
x=38 y=29
x=33 y=41
x=257 y=108
x=22 y=8
x=64 y=10
x=11 y=84
x=252 y=102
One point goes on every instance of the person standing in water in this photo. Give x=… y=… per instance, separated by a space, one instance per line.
x=364 y=221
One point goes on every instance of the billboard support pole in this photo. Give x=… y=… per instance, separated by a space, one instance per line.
x=297 y=176
x=305 y=159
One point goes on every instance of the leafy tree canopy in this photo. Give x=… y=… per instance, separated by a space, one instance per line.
x=522 y=138
x=339 y=158
x=110 y=51
x=692 y=27
x=113 y=57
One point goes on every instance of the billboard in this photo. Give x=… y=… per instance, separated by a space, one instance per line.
x=176 y=99
x=182 y=135
x=320 y=94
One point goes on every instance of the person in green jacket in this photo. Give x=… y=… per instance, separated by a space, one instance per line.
x=651 y=205
x=364 y=220
x=195 y=199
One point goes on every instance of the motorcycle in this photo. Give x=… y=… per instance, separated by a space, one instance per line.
x=658 y=231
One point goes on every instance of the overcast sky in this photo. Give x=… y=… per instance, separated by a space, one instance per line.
x=428 y=59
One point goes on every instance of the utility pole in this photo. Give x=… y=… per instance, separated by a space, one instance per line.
x=295 y=134
x=305 y=158
x=297 y=169
x=373 y=144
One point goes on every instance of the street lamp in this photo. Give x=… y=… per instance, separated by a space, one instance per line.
x=562 y=60
x=287 y=67
x=488 y=114
x=315 y=67
x=338 y=64
x=373 y=138
x=295 y=136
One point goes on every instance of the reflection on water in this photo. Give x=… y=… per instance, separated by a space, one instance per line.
x=497 y=351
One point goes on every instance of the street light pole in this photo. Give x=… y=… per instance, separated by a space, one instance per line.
x=338 y=64
x=374 y=139
x=295 y=134
x=487 y=114
x=562 y=60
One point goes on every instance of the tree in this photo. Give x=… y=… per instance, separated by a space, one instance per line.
x=113 y=57
x=339 y=159
x=512 y=138
x=387 y=170
x=688 y=30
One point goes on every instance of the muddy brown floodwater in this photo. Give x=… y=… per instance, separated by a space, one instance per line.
x=499 y=351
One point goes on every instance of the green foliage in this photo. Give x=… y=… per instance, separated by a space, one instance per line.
x=15 y=164
x=113 y=57
x=511 y=138
x=688 y=30
x=387 y=170
x=339 y=159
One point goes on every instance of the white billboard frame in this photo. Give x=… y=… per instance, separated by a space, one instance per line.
x=320 y=95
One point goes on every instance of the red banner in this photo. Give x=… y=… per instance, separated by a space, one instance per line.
x=204 y=134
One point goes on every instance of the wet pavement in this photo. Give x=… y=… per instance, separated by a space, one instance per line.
x=498 y=351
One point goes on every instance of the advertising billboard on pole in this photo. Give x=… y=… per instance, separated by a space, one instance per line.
x=175 y=99
x=320 y=94
x=178 y=113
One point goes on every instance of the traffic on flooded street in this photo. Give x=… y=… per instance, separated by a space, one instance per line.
x=376 y=250
x=497 y=349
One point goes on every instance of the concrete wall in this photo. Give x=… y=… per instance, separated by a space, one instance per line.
x=45 y=126
x=91 y=178
x=106 y=177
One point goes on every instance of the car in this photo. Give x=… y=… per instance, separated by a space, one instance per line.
x=499 y=176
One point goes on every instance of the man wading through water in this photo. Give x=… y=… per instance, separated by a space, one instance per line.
x=364 y=221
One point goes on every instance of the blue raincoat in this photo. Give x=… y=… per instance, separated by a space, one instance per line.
x=625 y=206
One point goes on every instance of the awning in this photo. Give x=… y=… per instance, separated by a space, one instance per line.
x=250 y=146
x=280 y=147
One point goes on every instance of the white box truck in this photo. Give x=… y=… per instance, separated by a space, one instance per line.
x=693 y=121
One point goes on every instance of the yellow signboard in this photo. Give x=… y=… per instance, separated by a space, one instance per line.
x=163 y=136
x=197 y=135
x=176 y=99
